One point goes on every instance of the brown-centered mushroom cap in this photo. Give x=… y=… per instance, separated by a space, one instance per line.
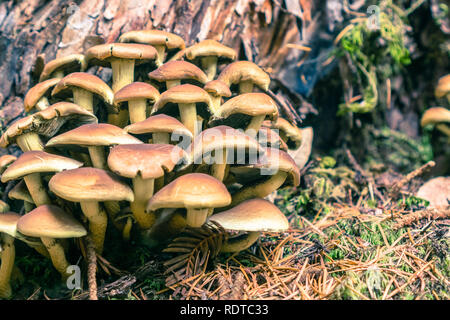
x=70 y=63
x=443 y=87
x=178 y=70
x=100 y=54
x=154 y=37
x=136 y=91
x=20 y=192
x=193 y=190
x=210 y=47
x=37 y=92
x=182 y=94
x=150 y=161
x=8 y=223
x=38 y=161
x=48 y=122
x=101 y=134
x=87 y=82
x=158 y=123
x=50 y=221
x=435 y=115
x=217 y=88
x=240 y=71
x=290 y=132
x=252 y=215
x=90 y=184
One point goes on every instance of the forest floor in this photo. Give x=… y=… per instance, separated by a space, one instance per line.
x=366 y=241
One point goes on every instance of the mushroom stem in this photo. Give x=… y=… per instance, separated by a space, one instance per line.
x=172 y=83
x=137 y=110
x=216 y=101
x=143 y=191
x=29 y=141
x=245 y=86
x=161 y=49
x=98 y=157
x=57 y=255
x=7 y=265
x=123 y=73
x=219 y=167
x=161 y=138
x=241 y=242
x=209 y=65
x=97 y=223
x=188 y=116
x=58 y=74
x=254 y=125
x=42 y=104
x=36 y=189
x=259 y=190
x=195 y=218
x=83 y=98
x=127 y=229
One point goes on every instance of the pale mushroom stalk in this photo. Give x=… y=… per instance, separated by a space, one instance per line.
x=188 y=116
x=259 y=190
x=42 y=104
x=215 y=103
x=57 y=255
x=58 y=74
x=195 y=217
x=245 y=86
x=172 y=83
x=254 y=125
x=161 y=49
x=83 y=98
x=240 y=242
x=123 y=73
x=143 y=191
x=29 y=141
x=97 y=223
x=209 y=65
x=7 y=265
x=218 y=169
x=98 y=157
x=137 y=110
x=37 y=189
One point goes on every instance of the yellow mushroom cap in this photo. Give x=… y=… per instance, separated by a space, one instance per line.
x=178 y=70
x=136 y=91
x=50 y=221
x=101 y=54
x=70 y=63
x=20 y=192
x=239 y=71
x=252 y=215
x=90 y=184
x=210 y=47
x=435 y=115
x=37 y=92
x=217 y=88
x=38 y=161
x=193 y=190
x=443 y=87
x=185 y=93
x=150 y=161
x=8 y=223
x=158 y=123
x=5 y=161
x=101 y=134
x=154 y=37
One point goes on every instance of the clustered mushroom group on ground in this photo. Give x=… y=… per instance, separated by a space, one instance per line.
x=182 y=136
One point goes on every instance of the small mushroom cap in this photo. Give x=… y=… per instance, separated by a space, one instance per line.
x=435 y=115
x=239 y=71
x=20 y=192
x=269 y=138
x=178 y=70
x=210 y=47
x=87 y=82
x=221 y=137
x=193 y=190
x=8 y=223
x=5 y=161
x=443 y=87
x=185 y=93
x=37 y=92
x=158 y=123
x=38 y=161
x=4 y=207
x=136 y=91
x=217 y=88
x=100 y=54
x=154 y=37
x=292 y=133
x=251 y=104
x=150 y=161
x=252 y=215
x=50 y=221
x=101 y=134
x=70 y=63
x=437 y=192
x=90 y=184
x=48 y=122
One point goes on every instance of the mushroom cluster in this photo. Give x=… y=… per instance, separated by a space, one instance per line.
x=178 y=137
